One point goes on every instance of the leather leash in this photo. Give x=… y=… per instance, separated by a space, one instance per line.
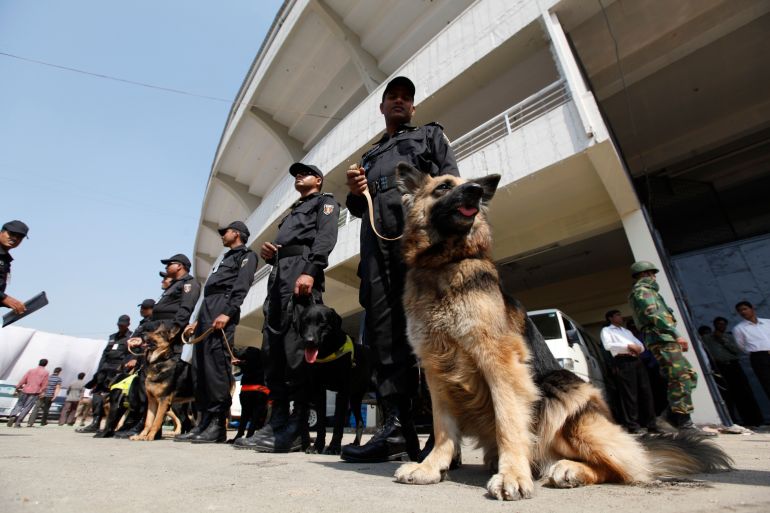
x=371 y=217
x=205 y=335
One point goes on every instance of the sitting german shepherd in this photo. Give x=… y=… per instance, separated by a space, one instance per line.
x=337 y=364
x=474 y=347
x=168 y=382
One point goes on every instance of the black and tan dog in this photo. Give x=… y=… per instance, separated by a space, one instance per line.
x=336 y=364
x=168 y=381
x=476 y=352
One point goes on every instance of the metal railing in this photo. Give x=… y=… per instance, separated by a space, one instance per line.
x=511 y=119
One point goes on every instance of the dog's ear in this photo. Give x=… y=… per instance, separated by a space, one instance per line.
x=409 y=179
x=489 y=183
x=173 y=331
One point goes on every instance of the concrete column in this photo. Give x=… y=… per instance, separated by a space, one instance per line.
x=643 y=246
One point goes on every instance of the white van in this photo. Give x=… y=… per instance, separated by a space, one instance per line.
x=569 y=344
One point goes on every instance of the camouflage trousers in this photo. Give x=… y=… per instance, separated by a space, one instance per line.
x=679 y=374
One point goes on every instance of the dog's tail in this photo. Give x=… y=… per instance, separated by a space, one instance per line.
x=680 y=454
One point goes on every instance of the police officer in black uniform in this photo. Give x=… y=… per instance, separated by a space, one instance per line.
x=13 y=232
x=382 y=270
x=178 y=301
x=115 y=354
x=299 y=255
x=223 y=294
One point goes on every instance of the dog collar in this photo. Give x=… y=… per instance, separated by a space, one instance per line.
x=346 y=348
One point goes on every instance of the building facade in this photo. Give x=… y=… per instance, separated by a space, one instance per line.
x=599 y=116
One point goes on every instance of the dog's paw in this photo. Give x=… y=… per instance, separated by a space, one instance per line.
x=566 y=474
x=333 y=449
x=510 y=487
x=140 y=438
x=417 y=473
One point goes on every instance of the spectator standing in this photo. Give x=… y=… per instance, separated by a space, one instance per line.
x=74 y=392
x=45 y=399
x=753 y=337
x=32 y=384
x=85 y=407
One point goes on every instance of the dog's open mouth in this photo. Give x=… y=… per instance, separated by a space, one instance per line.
x=311 y=354
x=468 y=211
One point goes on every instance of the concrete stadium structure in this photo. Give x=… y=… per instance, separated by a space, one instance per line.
x=579 y=105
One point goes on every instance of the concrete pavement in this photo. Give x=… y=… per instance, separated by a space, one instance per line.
x=55 y=469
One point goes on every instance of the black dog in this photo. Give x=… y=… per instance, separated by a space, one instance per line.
x=336 y=364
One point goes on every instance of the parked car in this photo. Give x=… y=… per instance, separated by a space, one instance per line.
x=8 y=398
x=572 y=347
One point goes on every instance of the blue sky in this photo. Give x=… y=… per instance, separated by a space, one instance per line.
x=110 y=176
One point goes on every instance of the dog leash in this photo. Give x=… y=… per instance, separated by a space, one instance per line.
x=371 y=218
x=204 y=336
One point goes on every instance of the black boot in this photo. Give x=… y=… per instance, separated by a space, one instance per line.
x=286 y=438
x=104 y=433
x=278 y=420
x=683 y=423
x=215 y=432
x=93 y=427
x=393 y=441
x=133 y=429
x=197 y=430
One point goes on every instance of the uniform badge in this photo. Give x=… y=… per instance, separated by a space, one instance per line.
x=328 y=209
x=187 y=287
x=244 y=261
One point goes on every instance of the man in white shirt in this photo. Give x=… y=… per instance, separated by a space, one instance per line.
x=633 y=383
x=753 y=337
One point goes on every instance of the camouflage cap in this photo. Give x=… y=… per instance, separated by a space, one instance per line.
x=641 y=266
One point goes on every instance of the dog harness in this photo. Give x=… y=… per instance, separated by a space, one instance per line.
x=346 y=348
x=123 y=385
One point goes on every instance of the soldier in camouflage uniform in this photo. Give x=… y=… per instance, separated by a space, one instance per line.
x=657 y=324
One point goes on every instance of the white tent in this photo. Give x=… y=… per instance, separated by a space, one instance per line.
x=22 y=348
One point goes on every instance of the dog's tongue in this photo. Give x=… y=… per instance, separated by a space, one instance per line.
x=468 y=211
x=311 y=355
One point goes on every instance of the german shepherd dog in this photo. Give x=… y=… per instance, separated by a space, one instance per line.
x=477 y=356
x=336 y=364
x=168 y=382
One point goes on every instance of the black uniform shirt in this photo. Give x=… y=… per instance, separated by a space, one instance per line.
x=233 y=277
x=425 y=148
x=5 y=270
x=178 y=301
x=116 y=351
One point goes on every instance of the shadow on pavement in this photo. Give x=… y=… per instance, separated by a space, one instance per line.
x=741 y=476
x=469 y=475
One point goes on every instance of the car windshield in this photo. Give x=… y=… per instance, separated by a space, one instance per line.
x=547 y=324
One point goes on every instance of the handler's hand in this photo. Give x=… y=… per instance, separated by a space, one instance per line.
x=221 y=321
x=130 y=364
x=190 y=329
x=14 y=304
x=683 y=344
x=268 y=251
x=304 y=285
x=356 y=179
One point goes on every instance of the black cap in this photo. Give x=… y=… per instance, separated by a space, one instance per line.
x=238 y=226
x=179 y=257
x=147 y=303
x=163 y=275
x=299 y=166
x=399 y=81
x=124 y=319
x=16 y=226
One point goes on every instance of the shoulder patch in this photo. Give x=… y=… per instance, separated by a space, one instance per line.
x=187 y=288
x=328 y=209
x=243 y=262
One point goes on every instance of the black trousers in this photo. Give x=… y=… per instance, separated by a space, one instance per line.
x=636 y=403
x=212 y=372
x=760 y=363
x=736 y=392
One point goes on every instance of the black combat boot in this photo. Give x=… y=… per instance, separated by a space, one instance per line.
x=393 y=441
x=215 y=432
x=285 y=438
x=93 y=427
x=197 y=430
x=278 y=420
x=104 y=433
x=683 y=423
x=132 y=429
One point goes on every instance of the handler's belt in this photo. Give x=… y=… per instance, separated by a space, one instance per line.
x=288 y=251
x=381 y=184
x=346 y=348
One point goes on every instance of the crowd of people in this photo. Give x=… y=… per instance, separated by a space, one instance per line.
x=298 y=255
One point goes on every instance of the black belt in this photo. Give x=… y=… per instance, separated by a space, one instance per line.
x=289 y=251
x=626 y=357
x=381 y=184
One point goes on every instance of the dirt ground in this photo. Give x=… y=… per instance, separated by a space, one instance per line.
x=53 y=468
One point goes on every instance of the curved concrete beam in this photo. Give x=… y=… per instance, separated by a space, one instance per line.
x=292 y=146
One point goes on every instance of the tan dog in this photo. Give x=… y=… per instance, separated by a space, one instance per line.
x=168 y=381
x=475 y=346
